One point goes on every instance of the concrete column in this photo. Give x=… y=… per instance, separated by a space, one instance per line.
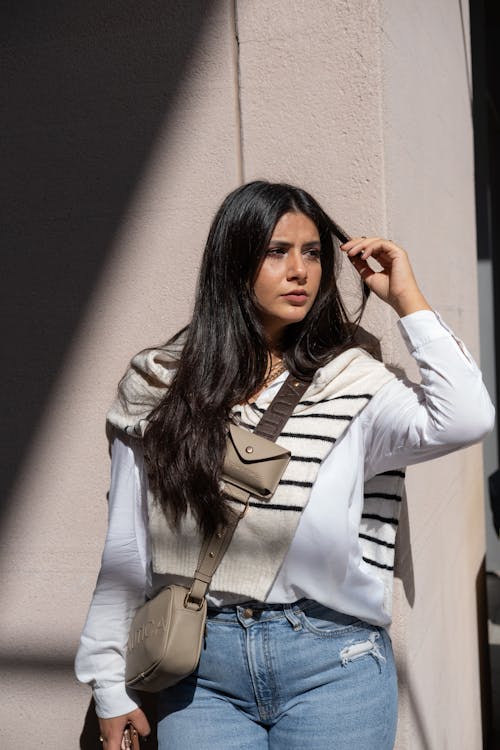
x=367 y=105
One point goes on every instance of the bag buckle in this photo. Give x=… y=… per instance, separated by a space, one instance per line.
x=245 y=509
x=197 y=602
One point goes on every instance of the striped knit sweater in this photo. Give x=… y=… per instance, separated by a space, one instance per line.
x=339 y=391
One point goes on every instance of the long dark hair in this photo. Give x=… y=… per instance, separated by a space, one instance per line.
x=225 y=357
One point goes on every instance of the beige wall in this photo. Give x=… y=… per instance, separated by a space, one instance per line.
x=429 y=188
x=366 y=104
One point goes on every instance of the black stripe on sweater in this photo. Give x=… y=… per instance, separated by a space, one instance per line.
x=366 y=396
x=375 y=517
x=344 y=417
x=295 y=483
x=324 y=438
x=382 y=496
x=296 y=508
x=377 y=564
x=368 y=538
x=306 y=459
x=393 y=473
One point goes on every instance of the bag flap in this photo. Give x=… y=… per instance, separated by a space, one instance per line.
x=252 y=448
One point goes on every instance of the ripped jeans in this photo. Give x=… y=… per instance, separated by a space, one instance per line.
x=284 y=677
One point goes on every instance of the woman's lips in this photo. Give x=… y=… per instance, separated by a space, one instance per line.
x=296 y=298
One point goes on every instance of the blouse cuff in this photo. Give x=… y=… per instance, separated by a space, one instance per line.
x=115 y=700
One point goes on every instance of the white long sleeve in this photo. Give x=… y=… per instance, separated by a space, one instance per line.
x=403 y=424
x=406 y=424
x=120 y=588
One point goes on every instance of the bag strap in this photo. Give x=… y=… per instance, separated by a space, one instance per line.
x=281 y=407
x=214 y=547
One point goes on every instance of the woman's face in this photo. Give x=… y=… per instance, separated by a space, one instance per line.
x=289 y=277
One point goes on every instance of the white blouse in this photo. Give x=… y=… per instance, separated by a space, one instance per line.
x=403 y=424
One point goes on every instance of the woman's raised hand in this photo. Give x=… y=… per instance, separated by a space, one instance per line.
x=112 y=729
x=395 y=283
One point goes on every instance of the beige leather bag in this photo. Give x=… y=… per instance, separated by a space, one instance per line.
x=252 y=463
x=165 y=640
x=167 y=632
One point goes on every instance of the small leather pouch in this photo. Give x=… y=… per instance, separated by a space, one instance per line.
x=252 y=464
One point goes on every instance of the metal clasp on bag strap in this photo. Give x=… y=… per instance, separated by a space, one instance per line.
x=245 y=509
x=197 y=602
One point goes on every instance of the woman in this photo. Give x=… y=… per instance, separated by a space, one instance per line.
x=297 y=653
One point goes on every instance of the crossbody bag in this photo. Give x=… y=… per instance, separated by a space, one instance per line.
x=167 y=632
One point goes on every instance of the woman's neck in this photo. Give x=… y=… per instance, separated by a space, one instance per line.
x=274 y=369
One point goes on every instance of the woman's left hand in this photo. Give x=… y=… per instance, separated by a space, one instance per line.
x=395 y=283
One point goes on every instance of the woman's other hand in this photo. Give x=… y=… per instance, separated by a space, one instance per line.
x=395 y=283
x=112 y=729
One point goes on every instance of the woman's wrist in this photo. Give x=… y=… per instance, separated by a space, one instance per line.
x=409 y=303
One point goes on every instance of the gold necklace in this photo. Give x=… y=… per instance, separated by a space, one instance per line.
x=275 y=370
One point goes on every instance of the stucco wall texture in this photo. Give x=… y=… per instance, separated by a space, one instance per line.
x=366 y=103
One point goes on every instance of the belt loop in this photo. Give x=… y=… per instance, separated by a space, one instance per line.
x=292 y=617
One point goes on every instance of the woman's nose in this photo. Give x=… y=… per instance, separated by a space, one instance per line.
x=296 y=266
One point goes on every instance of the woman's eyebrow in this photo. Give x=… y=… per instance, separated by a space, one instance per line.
x=282 y=243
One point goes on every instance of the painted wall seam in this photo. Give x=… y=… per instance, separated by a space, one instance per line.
x=237 y=91
x=466 y=53
x=392 y=343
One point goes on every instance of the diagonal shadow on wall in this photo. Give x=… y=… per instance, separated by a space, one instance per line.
x=88 y=85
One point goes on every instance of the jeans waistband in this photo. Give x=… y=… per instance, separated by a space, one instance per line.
x=248 y=612
x=257 y=606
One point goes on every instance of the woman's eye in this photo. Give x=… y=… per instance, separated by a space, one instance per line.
x=314 y=253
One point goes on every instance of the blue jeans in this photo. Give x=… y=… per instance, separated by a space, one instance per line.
x=284 y=677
